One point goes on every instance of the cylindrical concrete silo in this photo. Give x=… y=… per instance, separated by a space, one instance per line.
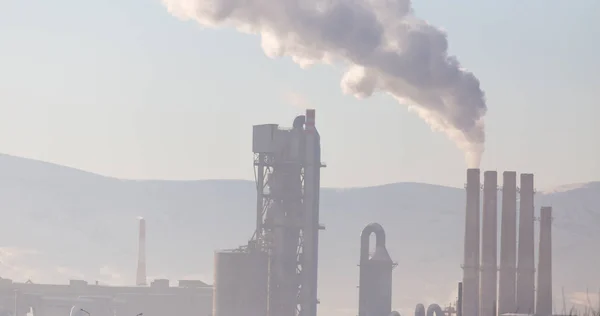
x=240 y=283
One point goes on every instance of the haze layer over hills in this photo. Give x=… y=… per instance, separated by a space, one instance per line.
x=60 y=223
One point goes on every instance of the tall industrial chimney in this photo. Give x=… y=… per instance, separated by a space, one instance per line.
x=489 y=244
x=470 y=305
x=544 y=277
x=508 y=245
x=141 y=268
x=526 y=264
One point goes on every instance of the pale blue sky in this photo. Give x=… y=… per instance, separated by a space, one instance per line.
x=121 y=88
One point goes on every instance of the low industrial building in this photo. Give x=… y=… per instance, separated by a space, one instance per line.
x=189 y=297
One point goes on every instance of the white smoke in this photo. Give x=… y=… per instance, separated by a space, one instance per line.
x=385 y=47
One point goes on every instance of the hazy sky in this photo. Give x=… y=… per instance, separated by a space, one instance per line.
x=122 y=88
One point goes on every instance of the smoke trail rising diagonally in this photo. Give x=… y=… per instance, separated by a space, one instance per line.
x=385 y=47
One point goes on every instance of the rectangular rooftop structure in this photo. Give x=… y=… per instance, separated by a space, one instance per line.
x=263 y=138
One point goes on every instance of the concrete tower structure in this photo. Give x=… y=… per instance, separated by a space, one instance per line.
x=526 y=265
x=470 y=305
x=141 y=267
x=489 y=244
x=508 y=245
x=544 y=277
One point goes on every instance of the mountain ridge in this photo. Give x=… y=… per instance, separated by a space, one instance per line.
x=5 y=157
x=60 y=223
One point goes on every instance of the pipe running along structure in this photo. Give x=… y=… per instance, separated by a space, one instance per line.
x=435 y=309
x=420 y=310
x=375 y=279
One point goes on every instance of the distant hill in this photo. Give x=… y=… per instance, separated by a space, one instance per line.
x=60 y=223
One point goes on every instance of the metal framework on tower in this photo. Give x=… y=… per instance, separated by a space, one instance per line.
x=287 y=172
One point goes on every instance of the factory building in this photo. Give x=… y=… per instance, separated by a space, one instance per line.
x=189 y=297
x=276 y=272
x=516 y=281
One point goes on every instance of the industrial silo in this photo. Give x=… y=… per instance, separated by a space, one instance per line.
x=240 y=283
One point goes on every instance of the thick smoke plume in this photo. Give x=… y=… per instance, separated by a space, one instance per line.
x=385 y=47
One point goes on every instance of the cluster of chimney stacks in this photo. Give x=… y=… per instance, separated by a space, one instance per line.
x=484 y=291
